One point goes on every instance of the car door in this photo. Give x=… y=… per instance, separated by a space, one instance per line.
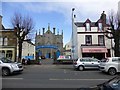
x=87 y=63
x=118 y=64
x=94 y=63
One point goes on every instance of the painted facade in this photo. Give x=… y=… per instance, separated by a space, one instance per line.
x=90 y=39
x=28 y=50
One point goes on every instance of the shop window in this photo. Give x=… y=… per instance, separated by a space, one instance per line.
x=9 y=54
x=101 y=39
x=88 y=39
x=2 y=53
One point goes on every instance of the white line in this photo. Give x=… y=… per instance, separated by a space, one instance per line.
x=12 y=78
x=79 y=79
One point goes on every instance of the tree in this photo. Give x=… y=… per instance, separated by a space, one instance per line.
x=23 y=27
x=114 y=31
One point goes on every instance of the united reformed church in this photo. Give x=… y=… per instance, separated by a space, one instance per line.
x=48 y=43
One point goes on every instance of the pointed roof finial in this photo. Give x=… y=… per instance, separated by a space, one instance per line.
x=62 y=32
x=58 y=31
x=39 y=31
x=48 y=26
x=36 y=32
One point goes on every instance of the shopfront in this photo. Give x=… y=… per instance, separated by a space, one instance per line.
x=47 y=51
x=8 y=53
x=99 y=53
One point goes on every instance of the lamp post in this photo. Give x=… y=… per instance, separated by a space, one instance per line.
x=72 y=51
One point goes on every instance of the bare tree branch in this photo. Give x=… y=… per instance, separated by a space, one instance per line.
x=114 y=21
x=23 y=26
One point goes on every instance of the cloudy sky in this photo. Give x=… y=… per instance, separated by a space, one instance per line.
x=56 y=12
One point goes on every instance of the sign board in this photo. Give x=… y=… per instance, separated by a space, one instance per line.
x=46 y=46
x=94 y=50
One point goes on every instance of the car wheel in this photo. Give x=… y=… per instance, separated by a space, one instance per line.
x=5 y=72
x=81 y=68
x=112 y=71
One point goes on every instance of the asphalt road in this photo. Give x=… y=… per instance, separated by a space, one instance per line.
x=49 y=75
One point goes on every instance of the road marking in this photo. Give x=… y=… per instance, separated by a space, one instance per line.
x=78 y=79
x=12 y=78
x=65 y=71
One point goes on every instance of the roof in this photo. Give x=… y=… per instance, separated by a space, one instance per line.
x=82 y=24
x=92 y=24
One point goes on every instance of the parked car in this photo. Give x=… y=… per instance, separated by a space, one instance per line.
x=86 y=63
x=111 y=84
x=64 y=59
x=110 y=65
x=8 y=67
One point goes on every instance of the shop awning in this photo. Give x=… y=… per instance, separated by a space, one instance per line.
x=94 y=50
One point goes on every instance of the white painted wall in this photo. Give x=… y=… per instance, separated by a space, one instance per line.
x=28 y=49
x=81 y=39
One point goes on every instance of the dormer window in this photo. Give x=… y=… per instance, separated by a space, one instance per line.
x=100 y=26
x=87 y=26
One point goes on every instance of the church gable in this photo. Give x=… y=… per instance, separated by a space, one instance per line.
x=48 y=32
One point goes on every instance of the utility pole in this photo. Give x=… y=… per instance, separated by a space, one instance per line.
x=73 y=46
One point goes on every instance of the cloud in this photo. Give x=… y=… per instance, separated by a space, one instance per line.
x=83 y=9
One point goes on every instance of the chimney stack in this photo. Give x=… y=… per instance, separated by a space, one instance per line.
x=103 y=18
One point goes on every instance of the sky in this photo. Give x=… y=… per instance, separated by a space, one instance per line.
x=56 y=12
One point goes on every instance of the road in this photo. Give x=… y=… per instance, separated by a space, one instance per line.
x=54 y=76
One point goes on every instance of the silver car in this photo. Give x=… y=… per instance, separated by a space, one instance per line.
x=86 y=63
x=8 y=67
x=110 y=65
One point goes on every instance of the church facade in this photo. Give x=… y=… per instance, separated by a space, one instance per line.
x=49 y=43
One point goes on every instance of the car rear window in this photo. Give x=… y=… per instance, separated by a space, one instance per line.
x=85 y=60
x=104 y=60
x=115 y=60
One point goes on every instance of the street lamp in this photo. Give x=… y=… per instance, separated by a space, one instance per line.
x=73 y=46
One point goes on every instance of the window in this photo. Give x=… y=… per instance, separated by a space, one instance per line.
x=1 y=41
x=115 y=60
x=5 y=41
x=82 y=60
x=87 y=26
x=88 y=39
x=9 y=54
x=100 y=39
x=2 y=53
x=100 y=26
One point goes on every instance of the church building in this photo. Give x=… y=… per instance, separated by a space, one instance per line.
x=49 y=43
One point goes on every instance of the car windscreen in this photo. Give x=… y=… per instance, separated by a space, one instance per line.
x=6 y=60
